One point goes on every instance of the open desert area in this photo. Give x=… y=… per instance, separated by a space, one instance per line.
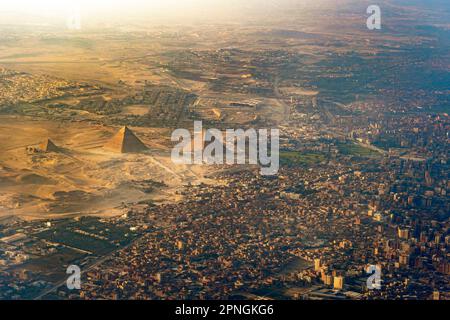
x=81 y=177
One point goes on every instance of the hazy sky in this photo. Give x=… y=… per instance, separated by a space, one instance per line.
x=178 y=11
x=117 y=6
x=98 y=10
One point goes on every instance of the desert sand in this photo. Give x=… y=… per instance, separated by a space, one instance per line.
x=82 y=177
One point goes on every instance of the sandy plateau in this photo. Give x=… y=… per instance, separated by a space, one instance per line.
x=83 y=178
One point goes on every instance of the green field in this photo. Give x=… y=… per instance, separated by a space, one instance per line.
x=351 y=149
x=52 y=267
x=296 y=158
x=78 y=241
x=65 y=233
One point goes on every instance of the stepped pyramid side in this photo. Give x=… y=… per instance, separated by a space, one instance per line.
x=125 y=141
x=48 y=146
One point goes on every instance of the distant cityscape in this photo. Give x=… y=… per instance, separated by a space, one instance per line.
x=362 y=191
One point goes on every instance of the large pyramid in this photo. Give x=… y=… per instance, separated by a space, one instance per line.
x=48 y=146
x=125 y=142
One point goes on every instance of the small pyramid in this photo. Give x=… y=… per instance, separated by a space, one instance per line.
x=48 y=146
x=125 y=141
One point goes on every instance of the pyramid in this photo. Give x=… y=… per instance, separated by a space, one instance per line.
x=48 y=146
x=125 y=141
